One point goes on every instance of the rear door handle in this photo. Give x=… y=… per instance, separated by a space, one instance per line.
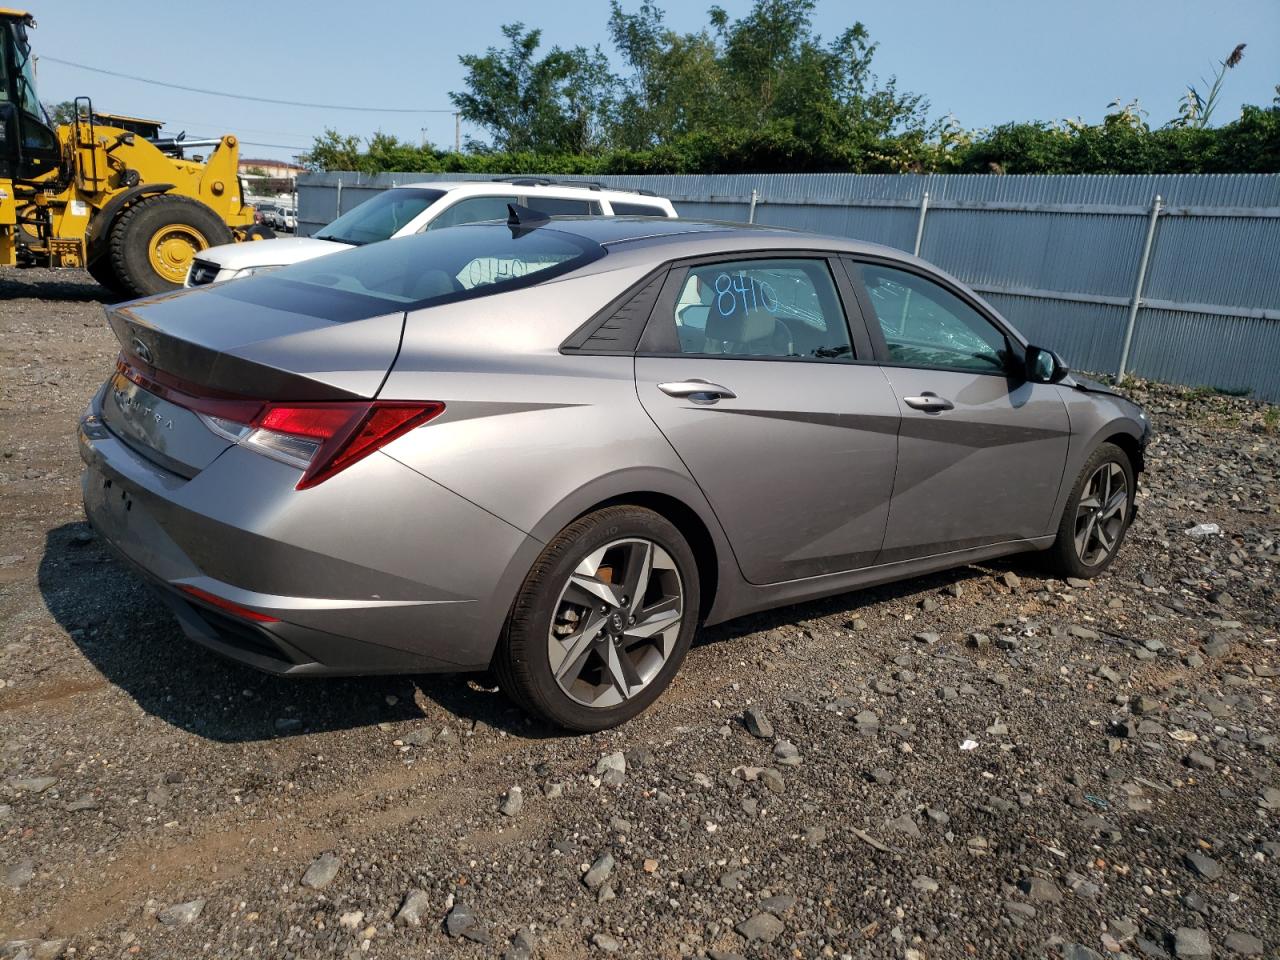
x=929 y=402
x=699 y=391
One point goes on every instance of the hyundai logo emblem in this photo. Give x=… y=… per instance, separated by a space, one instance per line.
x=142 y=351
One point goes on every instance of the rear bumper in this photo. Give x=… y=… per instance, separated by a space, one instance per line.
x=383 y=572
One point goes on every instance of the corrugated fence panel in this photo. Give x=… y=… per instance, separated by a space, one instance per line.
x=1095 y=254
x=1088 y=335
x=1230 y=353
x=1057 y=255
x=1230 y=261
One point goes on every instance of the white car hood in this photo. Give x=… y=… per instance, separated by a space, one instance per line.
x=269 y=253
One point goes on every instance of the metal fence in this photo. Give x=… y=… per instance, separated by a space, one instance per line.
x=1171 y=277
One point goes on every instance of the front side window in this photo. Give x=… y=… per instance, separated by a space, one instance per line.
x=762 y=308
x=926 y=325
x=473 y=210
x=380 y=217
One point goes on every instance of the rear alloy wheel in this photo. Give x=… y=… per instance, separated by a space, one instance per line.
x=1097 y=515
x=153 y=242
x=603 y=620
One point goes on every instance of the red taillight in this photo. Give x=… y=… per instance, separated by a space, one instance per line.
x=325 y=438
x=364 y=429
x=322 y=438
x=311 y=420
x=222 y=603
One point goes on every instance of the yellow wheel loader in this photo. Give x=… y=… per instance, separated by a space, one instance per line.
x=91 y=194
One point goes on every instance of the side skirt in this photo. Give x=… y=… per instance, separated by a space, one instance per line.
x=740 y=598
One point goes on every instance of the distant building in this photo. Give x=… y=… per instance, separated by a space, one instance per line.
x=270 y=169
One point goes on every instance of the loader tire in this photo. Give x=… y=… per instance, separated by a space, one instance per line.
x=153 y=243
x=102 y=271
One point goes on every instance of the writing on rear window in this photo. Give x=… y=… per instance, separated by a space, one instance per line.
x=755 y=294
x=486 y=270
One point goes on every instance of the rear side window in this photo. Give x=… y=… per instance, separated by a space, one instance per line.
x=562 y=207
x=427 y=269
x=762 y=308
x=621 y=209
x=472 y=210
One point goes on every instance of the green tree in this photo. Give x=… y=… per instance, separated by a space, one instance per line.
x=767 y=71
x=333 y=151
x=676 y=86
x=64 y=111
x=561 y=102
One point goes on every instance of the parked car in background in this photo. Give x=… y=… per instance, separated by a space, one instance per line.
x=264 y=212
x=413 y=208
x=555 y=447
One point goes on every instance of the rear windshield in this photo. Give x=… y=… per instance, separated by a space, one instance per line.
x=473 y=260
x=381 y=216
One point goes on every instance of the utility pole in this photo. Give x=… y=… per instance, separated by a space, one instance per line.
x=457 y=132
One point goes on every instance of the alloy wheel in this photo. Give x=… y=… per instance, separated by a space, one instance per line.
x=1101 y=514
x=616 y=622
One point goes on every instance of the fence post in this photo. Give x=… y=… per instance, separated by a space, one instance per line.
x=751 y=214
x=924 y=209
x=1138 y=284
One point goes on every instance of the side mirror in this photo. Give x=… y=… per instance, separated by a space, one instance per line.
x=1044 y=366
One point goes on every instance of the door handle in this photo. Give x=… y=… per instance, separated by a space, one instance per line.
x=929 y=402
x=699 y=391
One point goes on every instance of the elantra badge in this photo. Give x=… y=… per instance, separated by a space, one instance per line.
x=142 y=351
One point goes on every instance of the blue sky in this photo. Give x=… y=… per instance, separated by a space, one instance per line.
x=985 y=61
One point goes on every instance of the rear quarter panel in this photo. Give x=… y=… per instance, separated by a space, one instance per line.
x=531 y=435
x=524 y=426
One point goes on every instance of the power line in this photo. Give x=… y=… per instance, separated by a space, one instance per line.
x=237 y=96
x=179 y=121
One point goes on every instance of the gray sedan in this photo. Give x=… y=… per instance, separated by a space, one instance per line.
x=554 y=448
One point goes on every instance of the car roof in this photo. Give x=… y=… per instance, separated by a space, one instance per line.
x=635 y=237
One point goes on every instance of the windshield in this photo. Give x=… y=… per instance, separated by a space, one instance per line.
x=381 y=217
x=427 y=269
x=26 y=76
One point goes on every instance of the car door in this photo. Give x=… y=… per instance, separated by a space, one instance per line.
x=764 y=390
x=981 y=450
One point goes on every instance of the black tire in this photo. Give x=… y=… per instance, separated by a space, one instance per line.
x=133 y=231
x=1063 y=558
x=521 y=662
x=102 y=272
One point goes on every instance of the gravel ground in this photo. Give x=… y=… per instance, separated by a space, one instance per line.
x=985 y=763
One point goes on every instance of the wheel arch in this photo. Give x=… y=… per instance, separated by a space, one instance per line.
x=100 y=228
x=691 y=526
x=1123 y=431
x=679 y=500
x=1132 y=447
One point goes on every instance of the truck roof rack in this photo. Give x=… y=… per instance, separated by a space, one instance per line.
x=586 y=184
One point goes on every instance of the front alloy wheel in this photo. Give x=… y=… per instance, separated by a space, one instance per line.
x=1096 y=516
x=602 y=621
x=1101 y=514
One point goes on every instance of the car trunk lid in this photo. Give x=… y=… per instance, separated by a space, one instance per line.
x=185 y=353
